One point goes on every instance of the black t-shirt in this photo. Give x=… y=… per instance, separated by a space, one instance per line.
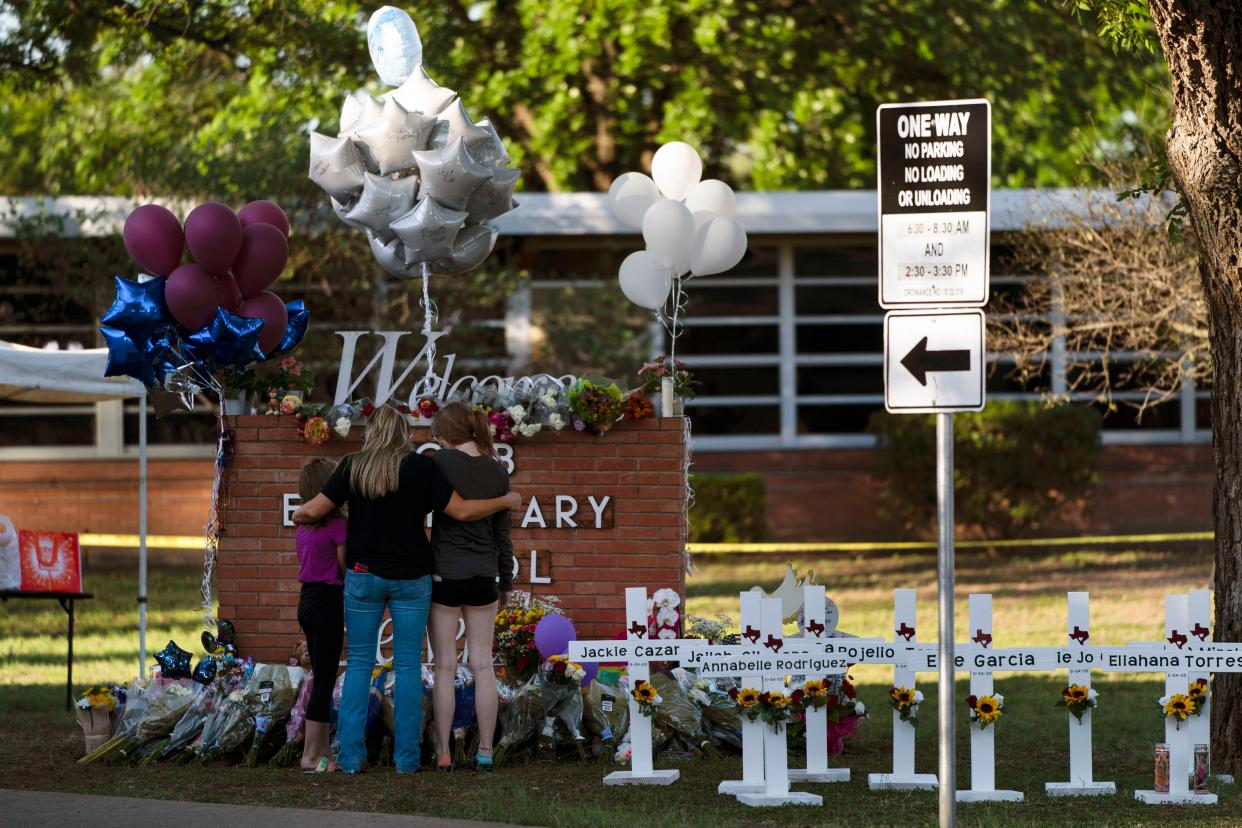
x=387 y=535
x=477 y=548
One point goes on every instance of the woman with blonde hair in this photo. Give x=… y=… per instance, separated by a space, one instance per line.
x=473 y=574
x=388 y=564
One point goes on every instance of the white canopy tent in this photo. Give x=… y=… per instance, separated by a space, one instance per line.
x=35 y=375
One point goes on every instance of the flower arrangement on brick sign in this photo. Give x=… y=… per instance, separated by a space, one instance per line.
x=1197 y=692
x=645 y=694
x=985 y=709
x=906 y=701
x=652 y=373
x=1178 y=707
x=775 y=707
x=1078 y=699
x=596 y=404
x=663 y=616
x=514 y=643
x=291 y=375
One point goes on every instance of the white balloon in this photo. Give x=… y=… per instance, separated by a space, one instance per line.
x=645 y=280
x=668 y=229
x=712 y=196
x=676 y=168
x=395 y=45
x=718 y=246
x=629 y=197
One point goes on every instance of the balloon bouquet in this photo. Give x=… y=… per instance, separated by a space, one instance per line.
x=411 y=169
x=176 y=329
x=688 y=225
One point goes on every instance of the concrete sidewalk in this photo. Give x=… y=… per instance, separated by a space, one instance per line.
x=50 y=808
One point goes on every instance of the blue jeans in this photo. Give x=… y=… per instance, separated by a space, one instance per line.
x=408 y=602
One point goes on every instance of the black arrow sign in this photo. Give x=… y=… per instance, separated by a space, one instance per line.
x=920 y=361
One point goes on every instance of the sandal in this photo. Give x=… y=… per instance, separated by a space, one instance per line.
x=326 y=765
x=483 y=762
x=444 y=763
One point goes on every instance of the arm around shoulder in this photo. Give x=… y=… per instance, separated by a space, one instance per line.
x=464 y=510
x=314 y=510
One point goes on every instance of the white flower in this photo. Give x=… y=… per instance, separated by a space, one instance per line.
x=1164 y=700
x=665 y=632
x=666 y=617
x=556 y=422
x=235 y=696
x=528 y=429
x=549 y=399
x=666 y=598
x=178 y=690
x=84 y=704
x=860 y=709
x=1091 y=694
x=918 y=696
x=518 y=413
x=341 y=426
x=1000 y=700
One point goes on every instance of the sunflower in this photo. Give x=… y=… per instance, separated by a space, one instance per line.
x=747 y=697
x=1197 y=691
x=901 y=697
x=815 y=688
x=1179 y=706
x=1075 y=693
x=778 y=700
x=643 y=692
x=988 y=709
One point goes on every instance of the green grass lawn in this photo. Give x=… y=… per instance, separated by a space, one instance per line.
x=38 y=740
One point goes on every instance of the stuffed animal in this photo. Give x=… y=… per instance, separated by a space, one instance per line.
x=10 y=556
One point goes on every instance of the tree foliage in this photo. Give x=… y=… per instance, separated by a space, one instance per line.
x=216 y=97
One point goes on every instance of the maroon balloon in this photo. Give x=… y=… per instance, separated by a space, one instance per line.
x=153 y=237
x=264 y=212
x=192 y=296
x=230 y=296
x=268 y=307
x=214 y=235
x=263 y=255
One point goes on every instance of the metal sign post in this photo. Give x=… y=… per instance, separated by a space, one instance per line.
x=934 y=168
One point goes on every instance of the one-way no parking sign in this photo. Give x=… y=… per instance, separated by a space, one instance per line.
x=934 y=361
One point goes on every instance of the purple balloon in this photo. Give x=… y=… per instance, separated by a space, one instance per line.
x=153 y=238
x=230 y=295
x=264 y=212
x=553 y=634
x=214 y=235
x=263 y=255
x=591 y=668
x=192 y=296
x=268 y=307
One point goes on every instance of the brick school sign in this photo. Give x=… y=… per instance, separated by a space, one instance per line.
x=598 y=513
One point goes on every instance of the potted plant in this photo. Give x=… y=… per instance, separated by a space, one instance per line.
x=597 y=404
x=291 y=378
x=236 y=386
x=662 y=380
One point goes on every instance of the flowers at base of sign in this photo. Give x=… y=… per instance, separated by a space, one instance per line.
x=101 y=697
x=906 y=701
x=645 y=695
x=774 y=708
x=514 y=642
x=427 y=408
x=662 y=614
x=1177 y=707
x=653 y=373
x=597 y=403
x=558 y=669
x=638 y=406
x=1078 y=699
x=291 y=375
x=985 y=709
x=1197 y=692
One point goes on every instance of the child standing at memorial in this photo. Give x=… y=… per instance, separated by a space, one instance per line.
x=321 y=610
x=473 y=574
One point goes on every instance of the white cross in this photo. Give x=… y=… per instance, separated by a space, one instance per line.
x=816 y=626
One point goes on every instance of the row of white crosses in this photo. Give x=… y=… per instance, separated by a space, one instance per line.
x=765 y=658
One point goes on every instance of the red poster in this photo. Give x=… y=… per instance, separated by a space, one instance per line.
x=50 y=561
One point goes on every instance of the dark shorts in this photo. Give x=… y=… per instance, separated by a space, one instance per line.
x=471 y=592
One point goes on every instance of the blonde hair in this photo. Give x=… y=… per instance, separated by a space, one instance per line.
x=375 y=470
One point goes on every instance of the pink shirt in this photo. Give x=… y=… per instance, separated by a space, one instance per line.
x=317 y=551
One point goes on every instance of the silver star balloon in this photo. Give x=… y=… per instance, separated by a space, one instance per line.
x=450 y=174
x=342 y=212
x=390 y=257
x=494 y=196
x=336 y=166
x=474 y=244
x=382 y=200
x=457 y=124
x=390 y=140
x=420 y=93
x=428 y=230
x=492 y=150
x=359 y=110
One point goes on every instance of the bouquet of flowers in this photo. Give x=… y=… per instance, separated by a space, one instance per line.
x=291 y=376
x=597 y=404
x=519 y=720
x=985 y=709
x=678 y=716
x=712 y=629
x=295 y=730
x=96 y=708
x=845 y=711
x=1178 y=707
x=272 y=698
x=722 y=719
x=168 y=705
x=606 y=715
x=514 y=644
x=270 y=691
x=561 y=680
x=772 y=707
x=1078 y=700
x=906 y=701
x=646 y=697
x=652 y=373
x=127 y=724
x=638 y=406
x=662 y=614
x=190 y=725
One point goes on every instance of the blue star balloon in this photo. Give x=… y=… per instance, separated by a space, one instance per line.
x=205 y=670
x=174 y=662
x=299 y=318
x=125 y=358
x=138 y=309
x=208 y=641
x=228 y=340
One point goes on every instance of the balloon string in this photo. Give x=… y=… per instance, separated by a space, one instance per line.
x=212 y=530
x=674 y=324
x=429 y=318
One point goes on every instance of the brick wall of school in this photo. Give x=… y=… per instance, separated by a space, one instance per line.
x=638 y=465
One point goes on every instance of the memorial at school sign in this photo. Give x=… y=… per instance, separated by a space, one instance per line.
x=598 y=514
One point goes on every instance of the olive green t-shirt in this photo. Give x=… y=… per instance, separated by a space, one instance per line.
x=477 y=548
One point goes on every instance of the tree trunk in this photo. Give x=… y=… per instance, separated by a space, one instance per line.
x=1202 y=42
